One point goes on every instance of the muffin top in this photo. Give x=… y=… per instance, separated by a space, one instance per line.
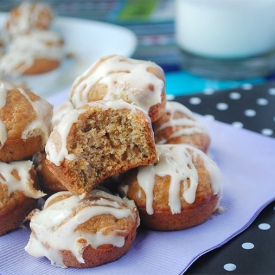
x=17 y=179
x=27 y=17
x=117 y=77
x=183 y=175
x=23 y=114
x=25 y=51
x=72 y=223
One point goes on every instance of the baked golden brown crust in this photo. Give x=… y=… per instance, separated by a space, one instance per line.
x=104 y=143
x=47 y=181
x=171 y=128
x=101 y=255
x=14 y=208
x=39 y=66
x=162 y=218
x=19 y=149
x=17 y=114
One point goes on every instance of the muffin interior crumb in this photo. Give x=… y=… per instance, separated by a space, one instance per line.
x=107 y=142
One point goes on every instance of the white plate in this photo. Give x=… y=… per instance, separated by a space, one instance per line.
x=87 y=40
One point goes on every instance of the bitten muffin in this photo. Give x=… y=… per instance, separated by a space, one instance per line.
x=182 y=189
x=27 y=17
x=18 y=194
x=83 y=232
x=25 y=121
x=97 y=141
x=117 y=77
x=180 y=125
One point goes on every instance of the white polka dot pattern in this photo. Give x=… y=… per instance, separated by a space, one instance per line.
x=234 y=95
x=237 y=124
x=250 y=112
x=249 y=107
x=264 y=226
x=262 y=101
x=247 y=245
x=222 y=106
x=229 y=267
x=195 y=100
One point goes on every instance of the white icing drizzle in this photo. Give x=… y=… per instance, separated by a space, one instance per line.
x=25 y=49
x=62 y=129
x=125 y=78
x=60 y=111
x=3 y=131
x=30 y=14
x=24 y=183
x=176 y=162
x=188 y=125
x=42 y=123
x=57 y=154
x=56 y=225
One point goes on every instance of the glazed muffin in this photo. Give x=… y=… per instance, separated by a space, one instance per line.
x=25 y=121
x=116 y=77
x=83 y=232
x=35 y=53
x=182 y=189
x=18 y=194
x=180 y=125
x=97 y=141
x=27 y=17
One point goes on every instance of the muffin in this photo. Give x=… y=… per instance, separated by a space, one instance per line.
x=35 y=53
x=18 y=194
x=97 y=141
x=25 y=121
x=180 y=125
x=117 y=77
x=27 y=17
x=72 y=231
x=182 y=189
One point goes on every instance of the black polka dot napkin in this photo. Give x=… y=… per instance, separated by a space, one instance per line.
x=249 y=107
x=252 y=108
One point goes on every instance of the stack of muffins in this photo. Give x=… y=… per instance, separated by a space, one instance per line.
x=25 y=121
x=33 y=52
x=116 y=133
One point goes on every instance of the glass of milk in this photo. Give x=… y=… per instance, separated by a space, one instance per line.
x=230 y=39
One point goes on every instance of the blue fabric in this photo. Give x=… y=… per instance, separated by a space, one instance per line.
x=182 y=82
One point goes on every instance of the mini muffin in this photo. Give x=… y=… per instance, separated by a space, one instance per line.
x=25 y=121
x=181 y=190
x=83 y=232
x=47 y=181
x=18 y=194
x=32 y=54
x=180 y=125
x=27 y=17
x=116 y=77
x=97 y=141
